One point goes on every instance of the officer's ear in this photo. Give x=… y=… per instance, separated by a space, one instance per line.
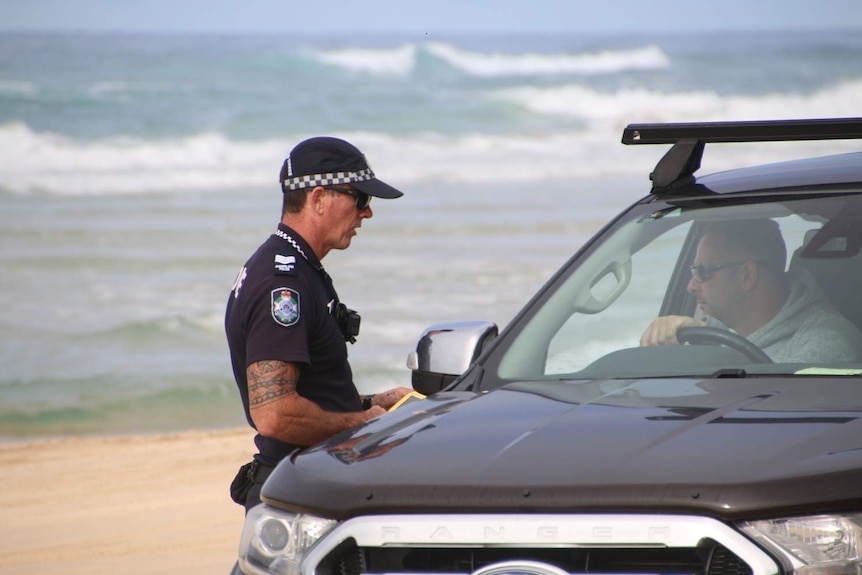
x=316 y=198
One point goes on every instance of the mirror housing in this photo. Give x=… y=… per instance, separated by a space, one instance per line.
x=445 y=351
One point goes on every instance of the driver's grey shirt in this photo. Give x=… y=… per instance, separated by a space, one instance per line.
x=807 y=329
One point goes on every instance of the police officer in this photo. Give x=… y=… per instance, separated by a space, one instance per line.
x=286 y=328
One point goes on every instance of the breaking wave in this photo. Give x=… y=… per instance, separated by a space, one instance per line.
x=402 y=61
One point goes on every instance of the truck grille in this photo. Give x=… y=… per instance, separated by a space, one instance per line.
x=463 y=545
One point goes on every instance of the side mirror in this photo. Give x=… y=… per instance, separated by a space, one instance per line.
x=445 y=351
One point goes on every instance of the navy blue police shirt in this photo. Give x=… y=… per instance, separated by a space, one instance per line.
x=282 y=308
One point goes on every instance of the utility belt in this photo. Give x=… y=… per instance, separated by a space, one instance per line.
x=248 y=474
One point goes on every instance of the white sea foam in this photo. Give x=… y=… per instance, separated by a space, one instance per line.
x=45 y=162
x=401 y=61
x=535 y=64
x=597 y=107
x=394 y=62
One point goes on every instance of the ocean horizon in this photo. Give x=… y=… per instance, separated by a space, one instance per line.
x=138 y=172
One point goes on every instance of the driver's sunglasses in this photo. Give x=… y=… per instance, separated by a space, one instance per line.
x=363 y=200
x=704 y=272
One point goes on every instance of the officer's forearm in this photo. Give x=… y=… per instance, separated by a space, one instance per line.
x=279 y=412
x=299 y=421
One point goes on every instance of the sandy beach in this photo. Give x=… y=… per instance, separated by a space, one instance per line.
x=121 y=505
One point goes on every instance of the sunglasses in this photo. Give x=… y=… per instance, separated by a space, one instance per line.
x=704 y=272
x=363 y=200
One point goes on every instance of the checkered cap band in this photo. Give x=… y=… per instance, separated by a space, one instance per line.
x=314 y=180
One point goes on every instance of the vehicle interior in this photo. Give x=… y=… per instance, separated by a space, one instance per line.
x=832 y=255
x=587 y=325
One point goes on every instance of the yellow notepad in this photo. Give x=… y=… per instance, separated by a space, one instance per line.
x=412 y=396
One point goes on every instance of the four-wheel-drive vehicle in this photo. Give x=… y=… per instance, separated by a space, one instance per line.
x=562 y=445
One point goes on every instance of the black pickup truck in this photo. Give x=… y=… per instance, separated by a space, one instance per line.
x=565 y=445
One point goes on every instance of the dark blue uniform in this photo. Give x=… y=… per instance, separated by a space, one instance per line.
x=283 y=307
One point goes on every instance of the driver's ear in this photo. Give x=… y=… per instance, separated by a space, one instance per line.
x=750 y=273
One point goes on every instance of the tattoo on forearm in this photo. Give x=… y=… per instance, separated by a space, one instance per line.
x=269 y=381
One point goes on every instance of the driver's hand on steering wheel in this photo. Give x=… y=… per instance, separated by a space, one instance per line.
x=662 y=330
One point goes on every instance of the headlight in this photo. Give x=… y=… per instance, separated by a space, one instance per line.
x=813 y=545
x=275 y=542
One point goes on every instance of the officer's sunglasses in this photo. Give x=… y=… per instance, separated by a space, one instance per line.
x=704 y=272
x=363 y=200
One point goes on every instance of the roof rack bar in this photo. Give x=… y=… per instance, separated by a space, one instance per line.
x=748 y=131
x=689 y=139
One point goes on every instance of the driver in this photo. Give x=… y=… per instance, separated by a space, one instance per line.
x=739 y=280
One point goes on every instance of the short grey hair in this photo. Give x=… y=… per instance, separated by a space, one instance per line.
x=758 y=239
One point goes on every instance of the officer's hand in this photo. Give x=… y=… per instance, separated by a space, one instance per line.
x=389 y=398
x=662 y=330
x=374 y=411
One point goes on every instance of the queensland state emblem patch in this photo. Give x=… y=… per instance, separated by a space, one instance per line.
x=285 y=306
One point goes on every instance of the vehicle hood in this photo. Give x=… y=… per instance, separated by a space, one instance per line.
x=732 y=448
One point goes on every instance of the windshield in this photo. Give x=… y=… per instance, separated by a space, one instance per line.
x=717 y=285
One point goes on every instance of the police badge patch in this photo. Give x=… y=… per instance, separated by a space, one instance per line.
x=285 y=306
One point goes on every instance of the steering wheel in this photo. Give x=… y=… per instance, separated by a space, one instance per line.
x=727 y=338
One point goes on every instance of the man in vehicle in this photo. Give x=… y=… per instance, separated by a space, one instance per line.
x=739 y=280
x=286 y=328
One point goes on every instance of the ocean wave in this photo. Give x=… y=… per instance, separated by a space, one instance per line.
x=17 y=88
x=100 y=404
x=109 y=88
x=160 y=331
x=392 y=62
x=53 y=163
x=45 y=162
x=92 y=93
x=422 y=158
x=488 y=65
x=401 y=61
x=643 y=105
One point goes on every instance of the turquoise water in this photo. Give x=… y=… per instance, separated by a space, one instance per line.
x=138 y=173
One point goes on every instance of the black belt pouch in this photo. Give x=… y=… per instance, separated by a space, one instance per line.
x=243 y=481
